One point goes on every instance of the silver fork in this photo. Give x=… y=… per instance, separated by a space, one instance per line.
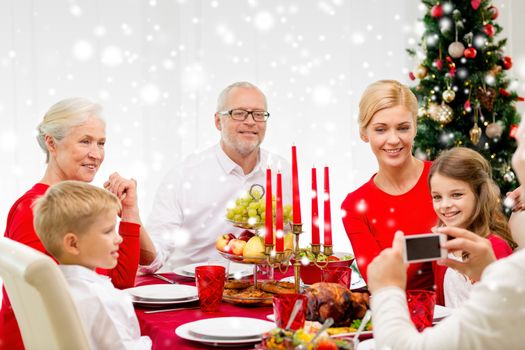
x=165 y=279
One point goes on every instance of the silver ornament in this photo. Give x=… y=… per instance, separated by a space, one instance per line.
x=509 y=176
x=493 y=130
x=456 y=49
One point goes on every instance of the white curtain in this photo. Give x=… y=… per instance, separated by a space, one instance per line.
x=157 y=67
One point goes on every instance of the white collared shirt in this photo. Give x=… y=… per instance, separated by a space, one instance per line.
x=493 y=317
x=106 y=312
x=189 y=210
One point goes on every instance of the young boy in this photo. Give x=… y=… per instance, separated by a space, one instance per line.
x=76 y=223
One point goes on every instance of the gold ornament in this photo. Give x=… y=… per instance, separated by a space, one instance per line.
x=442 y=114
x=493 y=130
x=486 y=97
x=420 y=72
x=448 y=95
x=475 y=134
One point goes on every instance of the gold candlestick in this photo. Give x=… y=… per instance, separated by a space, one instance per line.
x=297 y=229
x=328 y=250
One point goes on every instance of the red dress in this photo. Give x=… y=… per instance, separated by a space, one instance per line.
x=501 y=250
x=372 y=217
x=20 y=228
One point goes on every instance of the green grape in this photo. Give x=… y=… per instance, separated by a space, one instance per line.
x=252 y=212
x=253 y=205
x=238 y=210
x=230 y=214
x=237 y=218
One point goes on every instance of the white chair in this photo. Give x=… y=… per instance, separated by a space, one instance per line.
x=41 y=300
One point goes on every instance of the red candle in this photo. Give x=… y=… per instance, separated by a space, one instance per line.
x=279 y=240
x=315 y=209
x=296 y=199
x=327 y=213
x=268 y=238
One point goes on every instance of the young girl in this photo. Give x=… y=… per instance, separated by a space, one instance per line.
x=464 y=195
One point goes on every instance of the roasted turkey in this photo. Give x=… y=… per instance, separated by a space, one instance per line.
x=334 y=300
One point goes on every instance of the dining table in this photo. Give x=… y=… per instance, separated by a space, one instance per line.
x=160 y=327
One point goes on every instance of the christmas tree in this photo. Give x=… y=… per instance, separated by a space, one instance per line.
x=465 y=96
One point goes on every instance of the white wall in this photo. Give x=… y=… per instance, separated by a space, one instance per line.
x=158 y=65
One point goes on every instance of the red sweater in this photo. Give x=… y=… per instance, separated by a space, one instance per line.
x=501 y=250
x=373 y=216
x=20 y=228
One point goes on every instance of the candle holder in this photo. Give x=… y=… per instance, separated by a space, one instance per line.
x=297 y=229
x=328 y=250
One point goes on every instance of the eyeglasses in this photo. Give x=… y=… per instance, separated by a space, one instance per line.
x=242 y=114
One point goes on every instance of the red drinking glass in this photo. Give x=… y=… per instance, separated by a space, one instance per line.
x=337 y=274
x=282 y=308
x=210 y=286
x=421 y=307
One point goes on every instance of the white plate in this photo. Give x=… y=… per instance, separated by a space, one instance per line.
x=160 y=303
x=368 y=344
x=271 y=317
x=235 y=270
x=184 y=332
x=163 y=292
x=226 y=328
x=440 y=312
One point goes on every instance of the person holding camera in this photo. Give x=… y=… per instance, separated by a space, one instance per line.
x=465 y=196
x=493 y=316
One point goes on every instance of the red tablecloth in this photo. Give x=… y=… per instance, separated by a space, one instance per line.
x=160 y=327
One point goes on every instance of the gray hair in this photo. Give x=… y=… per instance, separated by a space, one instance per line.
x=64 y=115
x=221 y=101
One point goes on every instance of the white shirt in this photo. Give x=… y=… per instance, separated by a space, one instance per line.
x=493 y=317
x=106 y=312
x=456 y=286
x=189 y=210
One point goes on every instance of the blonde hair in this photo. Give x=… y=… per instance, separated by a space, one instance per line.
x=467 y=165
x=64 y=115
x=69 y=206
x=385 y=94
x=223 y=96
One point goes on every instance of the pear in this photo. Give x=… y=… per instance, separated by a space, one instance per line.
x=254 y=248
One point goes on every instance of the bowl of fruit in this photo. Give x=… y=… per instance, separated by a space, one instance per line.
x=311 y=271
x=249 y=210
x=248 y=247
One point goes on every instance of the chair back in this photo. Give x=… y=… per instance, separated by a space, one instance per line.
x=40 y=297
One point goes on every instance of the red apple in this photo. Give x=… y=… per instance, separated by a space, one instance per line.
x=223 y=240
x=246 y=235
x=236 y=246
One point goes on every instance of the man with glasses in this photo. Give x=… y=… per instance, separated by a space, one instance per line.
x=189 y=211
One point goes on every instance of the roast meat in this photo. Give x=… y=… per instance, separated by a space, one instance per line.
x=334 y=300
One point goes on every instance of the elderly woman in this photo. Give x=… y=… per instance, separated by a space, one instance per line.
x=72 y=134
x=397 y=197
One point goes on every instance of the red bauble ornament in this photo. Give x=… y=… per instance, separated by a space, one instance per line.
x=466 y=106
x=488 y=29
x=436 y=11
x=475 y=4
x=494 y=12
x=521 y=98
x=513 y=131
x=504 y=92
x=470 y=52
x=507 y=62
x=411 y=76
x=439 y=64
